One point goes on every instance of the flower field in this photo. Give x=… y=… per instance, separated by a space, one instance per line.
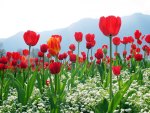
x=84 y=82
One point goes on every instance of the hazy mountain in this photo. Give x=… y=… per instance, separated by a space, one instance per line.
x=87 y=25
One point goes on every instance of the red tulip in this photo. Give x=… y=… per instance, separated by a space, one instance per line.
x=23 y=65
x=116 y=54
x=89 y=37
x=65 y=55
x=93 y=43
x=110 y=25
x=16 y=55
x=147 y=39
x=48 y=55
x=145 y=47
x=72 y=57
x=138 y=57
x=116 y=70
x=25 y=52
x=138 y=50
x=55 y=67
x=60 y=56
x=3 y=60
x=116 y=41
x=125 y=40
x=99 y=54
x=43 y=48
x=89 y=45
x=8 y=55
x=31 y=38
x=104 y=46
x=139 y=41
x=47 y=82
x=130 y=39
x=14 y=62
x=133 y=46
x=91 y=57
x=78 y=36
x=70 y=52
x=137 y=34
x=98 y=61
x=124 y=53
x=72 y=47
x=40 y=54
x=83 y=55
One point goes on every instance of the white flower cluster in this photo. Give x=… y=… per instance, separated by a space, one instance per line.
x=84 y=97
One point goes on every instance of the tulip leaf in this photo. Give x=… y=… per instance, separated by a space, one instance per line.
x=39 y=82
x=119 y=95
x=102 y=106
x=6 y=88
x=21 y=92
x=30 y=84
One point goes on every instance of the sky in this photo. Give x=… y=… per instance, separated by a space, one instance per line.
x=41 y=15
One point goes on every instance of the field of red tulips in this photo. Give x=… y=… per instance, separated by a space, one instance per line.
x=84 y=82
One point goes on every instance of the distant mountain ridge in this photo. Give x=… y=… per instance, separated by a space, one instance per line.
x=87 y=25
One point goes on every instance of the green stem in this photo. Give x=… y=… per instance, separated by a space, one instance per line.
x=55 y=84
x=29 y=56
x=88 y=55
x=116 y=48
x=43 y=73
x=110 y=88
x=125 y=47
x=24 y=78
x=78 y=51
x=119 y=89
x=1 y=95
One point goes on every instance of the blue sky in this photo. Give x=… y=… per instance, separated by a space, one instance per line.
x=40 y=15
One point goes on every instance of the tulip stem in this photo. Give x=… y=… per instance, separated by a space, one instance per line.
x=1 y=95
x=43 y=73
x=78 y=52
x=88 y=55
x=91 y=52
x=29 y=56
x=110 y=88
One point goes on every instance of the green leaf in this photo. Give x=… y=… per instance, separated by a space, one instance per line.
x=21 y=92
x=119 y=95
x=102 y=107
x=30 y=84
x=6 y=88
x=39 y=82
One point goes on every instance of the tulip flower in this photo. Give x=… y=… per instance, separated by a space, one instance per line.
x=60 y=56
x=138 y=57
x=25 y=52
x=110 y=26
x=89 y=37
x=40 y=54
x=54 y=45
x=72 y=47
x=43 y=48
x=78 y=36
x=31 y=38
x=72 y=58
x=99 y=54
x=55 y=67
x=23 y=65
x=147 y=38
x=137 y=34
x=116 y=42
x=116 y=70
